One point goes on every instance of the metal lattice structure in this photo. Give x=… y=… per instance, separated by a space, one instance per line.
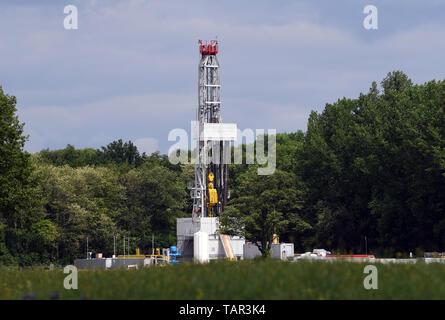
x=211 y=171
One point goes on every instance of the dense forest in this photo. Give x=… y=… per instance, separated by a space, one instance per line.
x=369 y=167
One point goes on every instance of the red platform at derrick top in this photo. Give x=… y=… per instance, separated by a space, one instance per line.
x=208 y=49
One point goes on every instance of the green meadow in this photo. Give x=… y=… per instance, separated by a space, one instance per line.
x=258 y=279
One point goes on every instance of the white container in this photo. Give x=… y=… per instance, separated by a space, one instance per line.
x=201 y=247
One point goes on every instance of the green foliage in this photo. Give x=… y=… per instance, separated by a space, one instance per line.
x=372 y=166
x=100 y=202
x=263 y=205
x=289 y=147
x=119 y=152
x=81 y=202
x=155 y=197
x=45 y=234
x=264 y=279
x=19 y=202
x=115 y=153
x=397 y=81
x=71 y=156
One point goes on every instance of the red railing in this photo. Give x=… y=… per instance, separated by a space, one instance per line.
x=350 y=256
x=208 y=49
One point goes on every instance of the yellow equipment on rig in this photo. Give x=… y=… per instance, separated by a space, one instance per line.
x=213 y=194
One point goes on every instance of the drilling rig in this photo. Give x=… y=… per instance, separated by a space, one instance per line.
x=198 y=237
x=210 y=191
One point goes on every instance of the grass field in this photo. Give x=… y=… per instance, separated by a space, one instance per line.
x=262 y=279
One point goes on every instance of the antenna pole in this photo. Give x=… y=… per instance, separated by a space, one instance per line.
x=114 y=245
x=366 y=245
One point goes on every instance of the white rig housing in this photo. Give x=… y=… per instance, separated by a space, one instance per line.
x=187 y=228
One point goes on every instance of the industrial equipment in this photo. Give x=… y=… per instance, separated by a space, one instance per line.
x=174 y=254
x=198 y=237
x=210 y=191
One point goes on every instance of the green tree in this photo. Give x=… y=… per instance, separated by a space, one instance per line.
x=120 y=152
x=373 y=166
x=263 y=205
x=71 y=156
x=82 y=202
x=156 y=196
x=19 y=204
x=397 y=81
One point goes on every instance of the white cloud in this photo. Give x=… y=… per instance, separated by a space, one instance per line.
x=147 y=145
x=35 y=142
x=131 y=69
x=116 y=111
x=98 y=123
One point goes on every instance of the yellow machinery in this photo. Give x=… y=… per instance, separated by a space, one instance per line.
x=213 y=194
x=156 y=253
x=276 y=239
x=137 y=255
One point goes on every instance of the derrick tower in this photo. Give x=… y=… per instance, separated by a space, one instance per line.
x=198 y=236
x=210 y=192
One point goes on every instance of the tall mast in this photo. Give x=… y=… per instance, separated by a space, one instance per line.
x=211 y=174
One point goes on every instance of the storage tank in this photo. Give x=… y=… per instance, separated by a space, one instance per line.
x=201 y=246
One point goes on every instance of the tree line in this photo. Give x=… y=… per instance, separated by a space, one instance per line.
x=373 y=167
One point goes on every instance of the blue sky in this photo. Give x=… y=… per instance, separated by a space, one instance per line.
x=130 y=70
